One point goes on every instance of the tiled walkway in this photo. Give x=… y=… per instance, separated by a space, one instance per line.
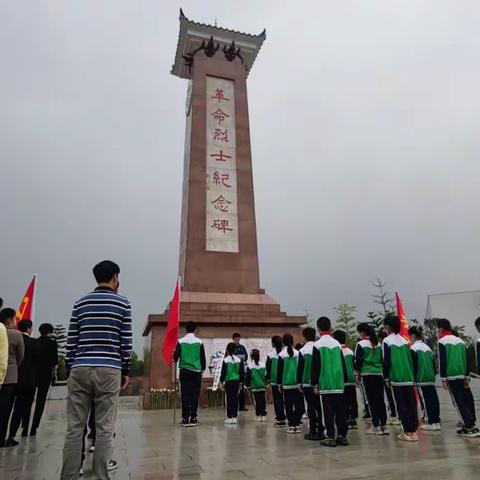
x=148 y=446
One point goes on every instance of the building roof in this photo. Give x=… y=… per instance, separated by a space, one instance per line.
x=192 y=34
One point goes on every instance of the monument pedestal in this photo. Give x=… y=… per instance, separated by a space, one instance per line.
x=218 y=315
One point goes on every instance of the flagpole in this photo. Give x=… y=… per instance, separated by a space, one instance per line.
x=179 y=282
x=34 y=300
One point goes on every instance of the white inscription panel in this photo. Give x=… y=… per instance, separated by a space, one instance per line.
x=221 y=181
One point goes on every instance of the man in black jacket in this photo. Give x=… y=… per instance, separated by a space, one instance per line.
x=25 y=386
x=47 y=361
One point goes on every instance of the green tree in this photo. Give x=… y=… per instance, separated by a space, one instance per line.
x=136 y=369
x=382 y=298
x=376 y=320
x=346 y=321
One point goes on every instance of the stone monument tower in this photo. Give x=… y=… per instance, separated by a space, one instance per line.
x=218 y=261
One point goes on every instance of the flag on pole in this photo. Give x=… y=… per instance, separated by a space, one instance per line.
x=171 y=335
x=403 y=318
x=26 y=309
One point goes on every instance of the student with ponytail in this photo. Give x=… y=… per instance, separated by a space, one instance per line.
x=424 y=371
x=287 y=380
x=368 y=364
x=271 y=372
x=232 y=377
x=255 y=381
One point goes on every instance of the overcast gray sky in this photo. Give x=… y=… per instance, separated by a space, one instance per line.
x=365 y=123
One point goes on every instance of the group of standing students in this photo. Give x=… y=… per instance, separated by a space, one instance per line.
x=321 y=376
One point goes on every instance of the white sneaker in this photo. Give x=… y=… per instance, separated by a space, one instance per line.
x=408 y=438
x=234 y=421
x=394 y=421
x=263 y=419
x=227 y=421
x=81 y=472
x=437 y=426
x=290 y=430
x=372 y=431
x=91 y=449
x=383 y=431
x=428 y=427
x=258 y=419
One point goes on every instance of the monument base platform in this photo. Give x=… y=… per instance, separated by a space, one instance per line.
x=257 y=317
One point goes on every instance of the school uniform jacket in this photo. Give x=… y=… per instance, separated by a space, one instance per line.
x=255 y=377
x=423 y=363
x=368 y=358
x=452 y=358
x=397 y=361
x=349 y=365
x=232 y=370
x=287 y=369
x=190 y=353
x=329 y=372
x=271 y=367
x=304 y=370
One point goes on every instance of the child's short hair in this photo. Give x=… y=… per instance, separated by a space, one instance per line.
x=417 y=331
x=340 y=336
x=382 y=334
x=309 y=334
x=324 y=324
x=393 y=322
x=190 y=327
x=444 y=324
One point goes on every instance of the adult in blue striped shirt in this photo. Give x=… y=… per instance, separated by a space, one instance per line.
x=99 y=346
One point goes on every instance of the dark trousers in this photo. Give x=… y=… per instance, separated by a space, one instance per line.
x=428 y=394
x=314 y=411
x=21 y=410
x=231 y=394
x=294 y=406
x=471 y=402
x=278 y=404
x=190 y=384
x=462 y=397
x=334 y=414
x=391 y=402
x=351 y=404
x=407 y=407
x=373 y=385
x=42 y=392
x=241 y=398
x=260 y=403
x=7 y=397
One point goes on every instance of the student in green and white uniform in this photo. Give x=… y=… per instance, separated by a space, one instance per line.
x=329 y=374
x=424 y=370
x=271 y=374
x=368 y=362
x=455 y=375
x=304 y=379
x=232 y=377
x=287 y=381
x=350 y=391
x=190 y=354
x=398 y=371
x=256 y=381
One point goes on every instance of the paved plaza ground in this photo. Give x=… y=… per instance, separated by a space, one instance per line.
x=149 y=447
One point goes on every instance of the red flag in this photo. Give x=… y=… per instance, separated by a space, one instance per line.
x=171 y=335
x=26 y=308
x=403 y=319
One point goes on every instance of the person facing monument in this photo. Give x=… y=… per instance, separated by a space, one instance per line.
x=190 y=353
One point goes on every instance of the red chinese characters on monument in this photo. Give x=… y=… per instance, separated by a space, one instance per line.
x=222 y=225
x=220 y=179
x=221 y=203
x=220 y=156
x=219 y=115
x=220 y=95
x=220 y=135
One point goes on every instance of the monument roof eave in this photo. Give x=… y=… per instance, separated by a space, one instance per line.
x=191 y=35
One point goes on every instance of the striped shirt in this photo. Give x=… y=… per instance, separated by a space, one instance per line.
x=100 y=331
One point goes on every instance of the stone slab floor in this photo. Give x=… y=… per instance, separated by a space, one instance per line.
x=149 y=447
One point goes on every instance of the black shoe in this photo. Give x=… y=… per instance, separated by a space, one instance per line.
x=112 y=465
x=463 y=432
x=2 y=443
x=185 y=423
x=342 y=441
x=312 y=436
x=24 y=432
x=328 y=442
x=194 y=422
x=33 y=432
x=11 y=442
